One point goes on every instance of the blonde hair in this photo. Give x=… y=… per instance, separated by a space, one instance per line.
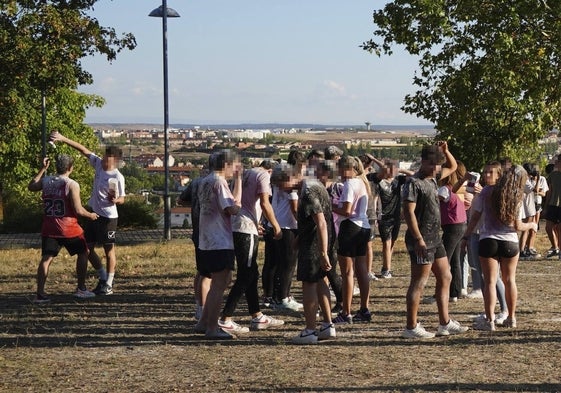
x=354 y=163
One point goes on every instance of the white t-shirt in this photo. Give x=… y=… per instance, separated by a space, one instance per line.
x=215 y=229
x=542 y=184
x=99 y=201
x=281 y=204
x=491 y=227
x=354 y=191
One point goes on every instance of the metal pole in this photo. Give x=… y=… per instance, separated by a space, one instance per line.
x=43 y=124
x=167 y=202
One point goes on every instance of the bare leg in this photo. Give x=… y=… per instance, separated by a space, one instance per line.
x=82 y=269
x=508 y=272
x=347 y=276
x=441 y=271
x=419 y=277
x=211 y=309
x=361 y=270
x=324 y=299
x=310 y=302
x=490 y=269
x=43 y=272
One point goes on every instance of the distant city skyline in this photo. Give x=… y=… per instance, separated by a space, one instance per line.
x=251 y=62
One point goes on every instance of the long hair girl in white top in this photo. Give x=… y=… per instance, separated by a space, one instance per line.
x=354 y=234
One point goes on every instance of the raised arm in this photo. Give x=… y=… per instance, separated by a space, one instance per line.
x=36 y=184
x=453 y=165
x=58 y=137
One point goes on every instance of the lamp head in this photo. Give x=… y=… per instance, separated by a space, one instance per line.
x=159 y=12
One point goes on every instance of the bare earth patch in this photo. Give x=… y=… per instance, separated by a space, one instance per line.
x=140 y=339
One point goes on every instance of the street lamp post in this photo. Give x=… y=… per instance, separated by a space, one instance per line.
x=164 y=12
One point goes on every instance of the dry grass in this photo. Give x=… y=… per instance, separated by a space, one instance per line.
x=140 y=339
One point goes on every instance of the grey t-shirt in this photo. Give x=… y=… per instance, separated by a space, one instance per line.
x=424 y=193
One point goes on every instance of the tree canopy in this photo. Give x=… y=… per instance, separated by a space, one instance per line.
x=42 y=43
x=489 y=73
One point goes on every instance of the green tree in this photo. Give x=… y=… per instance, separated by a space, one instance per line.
x=489 y=71
x=41 y=47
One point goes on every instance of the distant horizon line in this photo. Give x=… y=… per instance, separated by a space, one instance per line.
x=267 y=124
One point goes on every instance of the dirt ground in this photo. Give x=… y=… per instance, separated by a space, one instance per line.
x=140 y=339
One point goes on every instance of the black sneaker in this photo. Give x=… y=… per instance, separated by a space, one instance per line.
x=362 y=316
x=41 y=299
x=103 y=289
x=341 y=318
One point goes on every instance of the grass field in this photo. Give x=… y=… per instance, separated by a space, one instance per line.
x=140 y=339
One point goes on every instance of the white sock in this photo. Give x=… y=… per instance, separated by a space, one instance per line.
x=110 y=277
x=102 y=274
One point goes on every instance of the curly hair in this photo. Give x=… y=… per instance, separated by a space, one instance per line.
x=508 y=193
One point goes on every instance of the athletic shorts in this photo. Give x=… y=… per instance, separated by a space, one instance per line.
x=353 y=240
x=200 y=263
x=496 y=249
x=309 y=270
x=214 y=261
x=432 y=255
x=553 y=214
x=101 y=231
x=74 y=245
x=389 y=229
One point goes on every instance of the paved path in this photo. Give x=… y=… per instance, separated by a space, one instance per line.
x=33 y=240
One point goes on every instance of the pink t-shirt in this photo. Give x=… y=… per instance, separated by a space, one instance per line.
x=255 y=181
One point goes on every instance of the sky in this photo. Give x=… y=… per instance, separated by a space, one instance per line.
x=250 y=61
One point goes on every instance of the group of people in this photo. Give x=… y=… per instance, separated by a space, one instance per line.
x=62 y=206
x=316 y=212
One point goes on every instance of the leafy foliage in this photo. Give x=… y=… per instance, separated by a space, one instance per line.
x=41 y=45
x=489 y=71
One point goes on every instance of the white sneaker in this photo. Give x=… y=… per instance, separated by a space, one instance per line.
x=484 y=324
x=452 y=327
x=264 y=322
x=288 y=303
x=477 y=294
x=463 y=293
x=417 y=332
x=356 y=291
x=500 y=318
x=326 y=331
x=306 y=337
x=372 y=276
x=232 y=327
x=83 y=294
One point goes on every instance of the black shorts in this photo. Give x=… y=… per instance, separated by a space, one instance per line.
x=496 y=249
x=353 y=240
x=389 y=228
x=52 y=245
x=200 y=263
x=101 y=231
x=553 y=214
x=432 y=255
x=309 y=270
x=214 y=261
